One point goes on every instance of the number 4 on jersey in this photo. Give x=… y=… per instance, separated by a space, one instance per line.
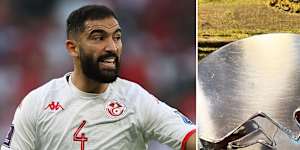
x=81 y=138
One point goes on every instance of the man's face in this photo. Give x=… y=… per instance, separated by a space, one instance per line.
x=100 y=48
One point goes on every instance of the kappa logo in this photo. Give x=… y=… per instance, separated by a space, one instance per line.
x=54 y=106
x=114 y=109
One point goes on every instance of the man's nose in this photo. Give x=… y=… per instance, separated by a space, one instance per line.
x=111 y=46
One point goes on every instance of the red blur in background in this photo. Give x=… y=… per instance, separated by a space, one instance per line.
x=158 y=49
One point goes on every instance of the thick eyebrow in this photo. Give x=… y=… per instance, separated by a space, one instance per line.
x=118 y=30
x=97 y=31
x=104 y=32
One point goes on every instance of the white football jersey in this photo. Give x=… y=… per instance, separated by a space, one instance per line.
x=58 y=116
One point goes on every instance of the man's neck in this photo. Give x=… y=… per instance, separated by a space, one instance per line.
x=87 y=85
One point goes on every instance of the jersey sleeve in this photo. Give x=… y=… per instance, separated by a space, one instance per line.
x=164 y=123
x=22 y=133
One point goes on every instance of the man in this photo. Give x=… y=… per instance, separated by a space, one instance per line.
x=91 y=108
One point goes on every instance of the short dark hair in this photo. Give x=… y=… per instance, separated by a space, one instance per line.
x=76 y=20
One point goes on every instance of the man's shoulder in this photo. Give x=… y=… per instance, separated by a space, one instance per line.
x=126 y=85
x=130 y=89
x=124 y=82
x=49 y=87
x=41 y=96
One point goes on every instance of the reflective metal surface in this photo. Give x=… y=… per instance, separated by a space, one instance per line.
x=251 y=81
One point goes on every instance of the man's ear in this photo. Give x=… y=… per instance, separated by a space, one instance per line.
x=72 y=48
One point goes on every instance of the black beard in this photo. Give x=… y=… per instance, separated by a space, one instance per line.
x=92 y=70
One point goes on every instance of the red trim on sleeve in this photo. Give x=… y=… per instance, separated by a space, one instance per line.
x=186 y=138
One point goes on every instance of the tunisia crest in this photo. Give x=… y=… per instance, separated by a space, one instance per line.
x=114 y=109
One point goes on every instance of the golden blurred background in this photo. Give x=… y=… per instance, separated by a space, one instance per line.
x=224 y=21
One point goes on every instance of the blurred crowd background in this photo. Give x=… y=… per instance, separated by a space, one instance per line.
x=158 y=49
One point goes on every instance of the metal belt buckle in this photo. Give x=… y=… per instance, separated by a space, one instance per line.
x=248 y=94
